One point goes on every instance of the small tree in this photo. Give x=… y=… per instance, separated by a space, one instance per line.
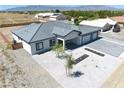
x=69 y=64
x=57 y=11
x=69 y=18
x=76 y=21
x=58 y=49
x=80 y=18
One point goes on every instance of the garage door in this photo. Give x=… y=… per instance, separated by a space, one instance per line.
x=94 y=36
x=86 y=38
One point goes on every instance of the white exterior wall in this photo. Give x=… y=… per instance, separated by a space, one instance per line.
x=16 y=38
x=27 y=47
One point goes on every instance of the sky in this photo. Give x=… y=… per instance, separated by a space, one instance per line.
x=4 y=7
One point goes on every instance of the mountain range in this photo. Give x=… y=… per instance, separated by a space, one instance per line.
x=61 y=7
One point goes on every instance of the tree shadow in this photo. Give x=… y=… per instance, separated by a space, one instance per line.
x=77 y=74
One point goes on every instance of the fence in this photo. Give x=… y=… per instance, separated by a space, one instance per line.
x=17 y=46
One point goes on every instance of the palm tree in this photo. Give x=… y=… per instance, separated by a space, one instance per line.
x=69 y=64
x=58 y=49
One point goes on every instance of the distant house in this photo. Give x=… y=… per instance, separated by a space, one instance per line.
x=38 y=38
x=105 y=24
x=50 y=16
x=119 y=20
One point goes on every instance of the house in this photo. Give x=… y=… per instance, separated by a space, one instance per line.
x=119 y=20
x=50 y=16
x=105 y=24
x=40 y=37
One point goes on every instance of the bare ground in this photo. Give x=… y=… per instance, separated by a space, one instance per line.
x=18 y=69
x=116 y=80
x=14 y=18
x=37 y=76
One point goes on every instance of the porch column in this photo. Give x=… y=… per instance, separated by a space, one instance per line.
x=63 y=44
x=56 y=41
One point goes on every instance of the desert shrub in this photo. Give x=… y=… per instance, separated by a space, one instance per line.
x=9 y=46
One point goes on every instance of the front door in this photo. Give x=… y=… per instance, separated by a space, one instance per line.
x=60 y=42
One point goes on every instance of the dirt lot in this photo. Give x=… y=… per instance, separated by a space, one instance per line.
x=15 y=18
x=116 y=80
x=18 y=69
x=7 y=32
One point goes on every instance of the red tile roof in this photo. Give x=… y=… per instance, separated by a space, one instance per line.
x=119 y=19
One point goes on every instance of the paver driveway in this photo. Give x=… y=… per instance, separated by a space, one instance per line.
x=105 y=46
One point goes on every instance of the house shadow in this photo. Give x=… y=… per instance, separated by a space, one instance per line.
x=72 y=46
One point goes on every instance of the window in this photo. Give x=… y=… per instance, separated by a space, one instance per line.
x=39 y=46
x=52 y=42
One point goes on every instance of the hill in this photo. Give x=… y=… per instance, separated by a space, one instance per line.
x=61 y=7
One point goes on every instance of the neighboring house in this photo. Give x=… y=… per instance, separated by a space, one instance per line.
x=119 y=20
x=50 y=16
x=105 y=24
x=38 y=38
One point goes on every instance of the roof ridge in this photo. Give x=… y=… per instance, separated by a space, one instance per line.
x=36 y=32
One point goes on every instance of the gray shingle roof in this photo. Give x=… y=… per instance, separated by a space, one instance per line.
x=27 y=32
x=44 y=32
x=63 y=28
x=88 y=29
x=35 y=32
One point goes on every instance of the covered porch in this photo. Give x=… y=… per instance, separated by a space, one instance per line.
x=69 y=43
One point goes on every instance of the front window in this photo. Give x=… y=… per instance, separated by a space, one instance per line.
x=39 y=46
x=52 y=42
